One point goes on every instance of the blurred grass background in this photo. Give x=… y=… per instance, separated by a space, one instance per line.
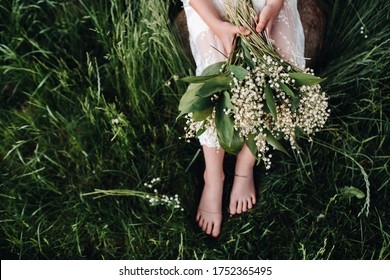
x=88 y=101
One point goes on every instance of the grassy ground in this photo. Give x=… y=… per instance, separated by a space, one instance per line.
x=89 y=97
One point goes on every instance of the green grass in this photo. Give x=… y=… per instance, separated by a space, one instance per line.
x=89 y=97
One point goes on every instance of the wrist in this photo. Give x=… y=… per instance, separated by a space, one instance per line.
x=276 y=4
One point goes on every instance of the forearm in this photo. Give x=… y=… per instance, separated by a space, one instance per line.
x=276 y=4
x=268 y=15
x=208 y=12
x=224 y=30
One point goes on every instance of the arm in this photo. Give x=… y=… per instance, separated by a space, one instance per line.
x=224 y=30
x=268 y=15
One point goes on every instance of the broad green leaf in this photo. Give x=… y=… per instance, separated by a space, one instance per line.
x=202 y=115
x=275 y=143
x=189 y=98
x=294 y=103
x=236 y=144
x=224 y=123
x=250 y=142
x=198 y=105
x=190 y=102
x=351 y=192
x=228 y=101
x=214 y=85
x=198 y=79
x=200 y=131
x=247 y=56
x=305 y=79
x=286 y=89
x=213 y=69
x=201 y=103
x=269 y=98
x=238 y=71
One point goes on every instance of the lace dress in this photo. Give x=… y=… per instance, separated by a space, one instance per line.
x=287 y=32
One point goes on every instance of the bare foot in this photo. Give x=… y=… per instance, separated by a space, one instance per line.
x=243 y=195
x=209 y=216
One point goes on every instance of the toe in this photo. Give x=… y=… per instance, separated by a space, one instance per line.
x=244 y=206
x=254 y=199
x=209 y=228
x=205 y=225
x=216 y=229
x=250 y=204
x=239 y=207
x=200 y=222
x=233 y=207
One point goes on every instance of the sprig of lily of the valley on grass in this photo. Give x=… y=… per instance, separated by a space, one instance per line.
x=154 y=199
x=254 y=97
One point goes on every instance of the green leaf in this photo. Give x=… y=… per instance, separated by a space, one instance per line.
x=305 y=79
x=238 y=71
x=224 y=123
x=200 y=131
x=190 y=102
x=286 y=89
x=251 y=143
x=201 y=104
x=228 y=101
x=202 y=115
x=269 y=98
x=294 y=103
x=247 y=56
x=236 y=144
x=214 y=85
x=352 y=192
x=299 y=132
x=198 y=79
x=213 y=69
x=189 y=97
x=275 y=143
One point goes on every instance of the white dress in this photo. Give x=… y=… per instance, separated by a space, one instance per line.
x=287 y=32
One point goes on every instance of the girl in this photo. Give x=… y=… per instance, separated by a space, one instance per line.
x=210 y=36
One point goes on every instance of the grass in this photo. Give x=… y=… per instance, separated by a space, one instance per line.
x=89 y=97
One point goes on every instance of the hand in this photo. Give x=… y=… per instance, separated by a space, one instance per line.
x=268 y=15
x=226 y=33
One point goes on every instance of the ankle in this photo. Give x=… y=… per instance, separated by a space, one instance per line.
x=241 y=176
x=246 y=172
x=216 y=177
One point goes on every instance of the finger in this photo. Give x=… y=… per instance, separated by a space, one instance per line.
x=260 y=25
x=243 y=30
x=240 y=30
x=264 y=16
x=269 y=25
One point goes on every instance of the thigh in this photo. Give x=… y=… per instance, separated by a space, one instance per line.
x=205 y=46
x=287 y=32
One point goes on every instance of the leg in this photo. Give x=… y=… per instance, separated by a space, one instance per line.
x=287 y=32
x=209 y=216
x=243 y=194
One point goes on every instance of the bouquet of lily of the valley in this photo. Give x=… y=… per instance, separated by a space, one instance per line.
x=254 y=97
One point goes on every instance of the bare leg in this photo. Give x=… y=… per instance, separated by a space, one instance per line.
x=209 y=216
x=243 y=194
